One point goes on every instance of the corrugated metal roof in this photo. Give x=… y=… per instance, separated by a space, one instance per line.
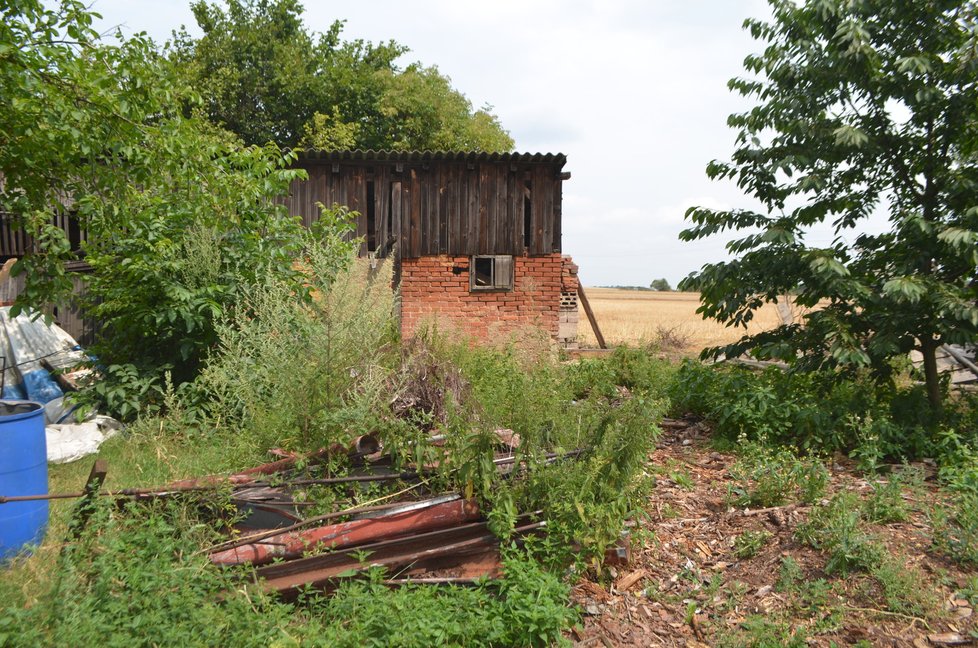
x=558 y=159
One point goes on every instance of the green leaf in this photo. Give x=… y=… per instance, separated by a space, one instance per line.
x=958 y=237
x=850 y=136
x=908 y=289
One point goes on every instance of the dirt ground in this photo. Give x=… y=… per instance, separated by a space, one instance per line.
x=686 y=586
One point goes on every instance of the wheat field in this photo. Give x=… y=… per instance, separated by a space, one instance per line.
x=637 y=317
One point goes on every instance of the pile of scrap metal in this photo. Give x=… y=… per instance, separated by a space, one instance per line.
x=416 y=535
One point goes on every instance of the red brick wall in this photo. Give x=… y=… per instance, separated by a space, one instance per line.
x=436 y=289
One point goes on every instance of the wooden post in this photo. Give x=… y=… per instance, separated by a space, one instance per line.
x=87 y=505
x=590 y=314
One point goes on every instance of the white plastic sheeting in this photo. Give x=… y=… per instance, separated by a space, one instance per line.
x=71 y=441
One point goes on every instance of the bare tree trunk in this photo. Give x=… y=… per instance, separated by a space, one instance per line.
x=928 y=348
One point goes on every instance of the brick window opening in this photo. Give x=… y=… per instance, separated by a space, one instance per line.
x=491 y=273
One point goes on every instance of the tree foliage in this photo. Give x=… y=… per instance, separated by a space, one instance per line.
x=861 y=107
x=269 y=79
x=179 y=217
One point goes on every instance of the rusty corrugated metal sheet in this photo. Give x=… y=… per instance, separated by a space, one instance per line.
x=347 y=534
x=440 y=549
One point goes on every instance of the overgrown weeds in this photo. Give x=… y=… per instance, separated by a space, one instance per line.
x=556 y=409
x=955 y=527
x=304 y=374
x=818 y=412
x=838 y=529
x=749 y=543
x=766 y=476
x=133 y=579
x=885 y=504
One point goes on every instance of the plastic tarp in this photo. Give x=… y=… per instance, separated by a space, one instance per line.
x=24 y=343
x=71 y=441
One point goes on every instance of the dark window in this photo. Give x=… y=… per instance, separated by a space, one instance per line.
x=491 y=273
x=483 y=272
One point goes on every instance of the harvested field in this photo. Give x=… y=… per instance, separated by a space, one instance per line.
x=637 y=317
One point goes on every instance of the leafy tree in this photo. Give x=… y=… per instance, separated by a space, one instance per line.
x=861 y=107
x=417 y=110
x=268 y=79
x=179 y=217
x=661 y=285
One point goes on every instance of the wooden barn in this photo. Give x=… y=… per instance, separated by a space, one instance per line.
x=476 y=236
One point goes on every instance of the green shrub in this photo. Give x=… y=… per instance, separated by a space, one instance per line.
x=585 y=499
x=885 y=504
x=836 y=529
x=955 y=527
x=306 y=373
x=749 y=543
x=820 y=411
x=765 y=476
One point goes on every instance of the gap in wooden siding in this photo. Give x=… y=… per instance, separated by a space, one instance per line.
x=321 y=195
x=396 y=222
x=381 y=204
x=415 y=214
x=445 y=187
x=472 y=211
x=371 y=204
x=557 y=215
x=483 y=209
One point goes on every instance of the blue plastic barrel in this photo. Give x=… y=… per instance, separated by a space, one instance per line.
x=23 y=471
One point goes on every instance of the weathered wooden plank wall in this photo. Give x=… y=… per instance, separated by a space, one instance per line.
x=444 y=207
x=15 y=242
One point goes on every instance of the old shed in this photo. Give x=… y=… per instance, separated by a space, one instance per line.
x=476 y=236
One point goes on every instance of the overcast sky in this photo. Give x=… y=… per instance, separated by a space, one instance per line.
x=632 y=91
